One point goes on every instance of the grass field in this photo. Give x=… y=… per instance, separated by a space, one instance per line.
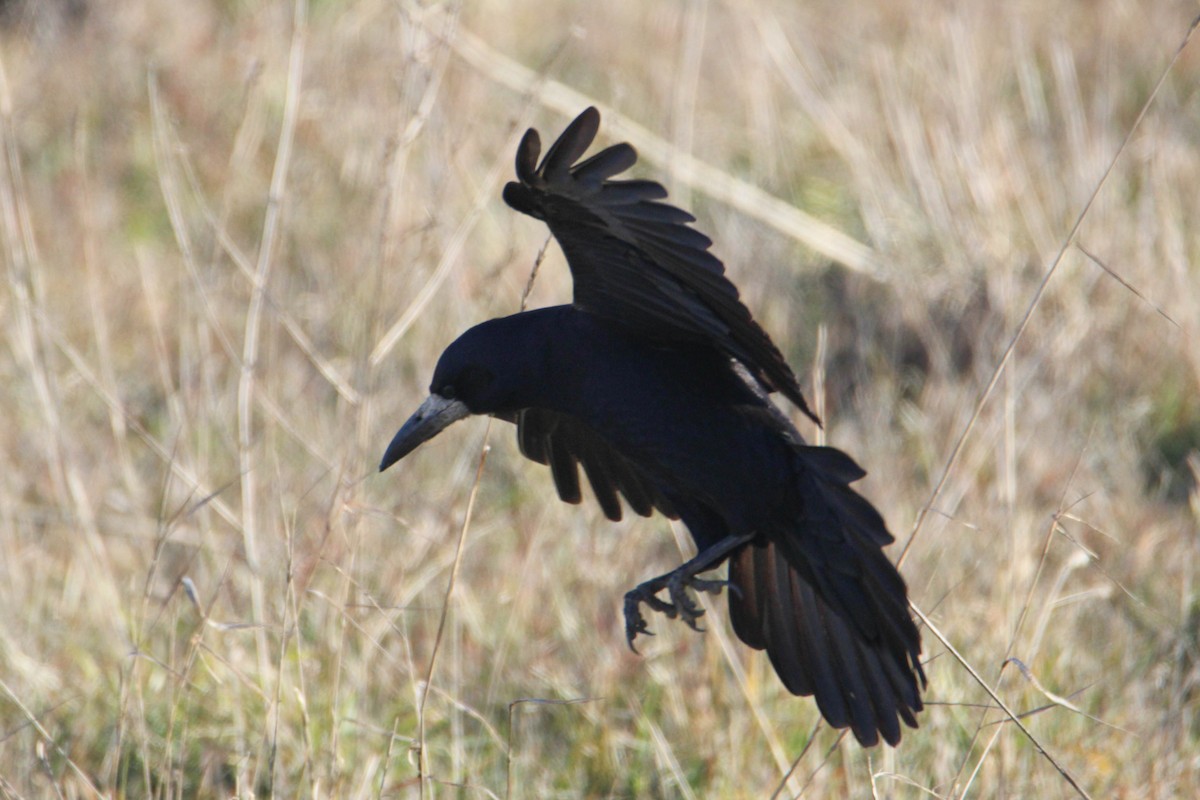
x=237 y=234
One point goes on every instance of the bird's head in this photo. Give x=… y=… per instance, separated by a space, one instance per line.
x=490 y=369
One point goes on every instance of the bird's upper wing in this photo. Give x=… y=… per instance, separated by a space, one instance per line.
x=636 y=262
x=563 y=443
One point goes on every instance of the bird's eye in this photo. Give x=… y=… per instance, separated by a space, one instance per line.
x=447 y=392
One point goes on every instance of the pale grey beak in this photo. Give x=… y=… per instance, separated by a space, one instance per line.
x=435 y=414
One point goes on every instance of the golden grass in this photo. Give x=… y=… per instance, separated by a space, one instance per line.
x=237 y=235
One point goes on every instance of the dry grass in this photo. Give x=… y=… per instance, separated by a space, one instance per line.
x=235 y=245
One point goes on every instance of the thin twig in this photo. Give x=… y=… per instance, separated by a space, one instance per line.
x=1057 y=700
x=80 y=773
x=1095 y=259
x=422 y=764
x=1016 y=720
x=510 y=745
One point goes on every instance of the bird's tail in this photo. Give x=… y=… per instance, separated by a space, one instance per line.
x=820 y=596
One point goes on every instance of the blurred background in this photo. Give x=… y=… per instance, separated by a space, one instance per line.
x=237 y=235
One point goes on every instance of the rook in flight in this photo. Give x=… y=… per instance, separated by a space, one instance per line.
x=656 y=380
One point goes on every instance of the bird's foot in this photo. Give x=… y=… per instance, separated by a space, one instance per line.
x=677 y=582
x=681 y=605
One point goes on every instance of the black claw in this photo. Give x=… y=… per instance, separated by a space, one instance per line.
x=635 y=623
x=629 y=637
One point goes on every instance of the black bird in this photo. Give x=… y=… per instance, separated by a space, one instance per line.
x=656 y=380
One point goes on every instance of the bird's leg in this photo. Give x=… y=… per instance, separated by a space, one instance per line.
x=677 y=582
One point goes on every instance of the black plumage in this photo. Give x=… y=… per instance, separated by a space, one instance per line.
x=635 y=261
x=656 y=381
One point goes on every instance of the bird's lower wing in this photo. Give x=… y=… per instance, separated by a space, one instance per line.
x=565 y=444
x=821 y=597
x=857 y=684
